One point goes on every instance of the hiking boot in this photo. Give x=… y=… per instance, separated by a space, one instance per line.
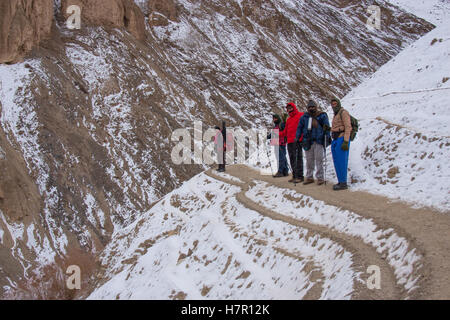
x=320 y=182
x=340 y=186
x=278 y=175
x=308 y=181
x=292 y=180
x=298 y=180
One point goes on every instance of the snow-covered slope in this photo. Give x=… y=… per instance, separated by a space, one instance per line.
x=434 y=11
x=403 y=147
x=202 y=242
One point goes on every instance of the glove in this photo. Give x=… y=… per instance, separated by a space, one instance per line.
x=344 y=146
x=326 y=128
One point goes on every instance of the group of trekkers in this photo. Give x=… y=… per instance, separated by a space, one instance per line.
x=311 y=132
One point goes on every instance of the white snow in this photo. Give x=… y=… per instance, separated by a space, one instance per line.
x=229 y=177
x=434 y=11
x=200 y=237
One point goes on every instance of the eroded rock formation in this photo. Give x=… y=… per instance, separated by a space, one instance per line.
x=23 y=24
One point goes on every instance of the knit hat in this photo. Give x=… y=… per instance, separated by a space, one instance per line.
x=311 y=103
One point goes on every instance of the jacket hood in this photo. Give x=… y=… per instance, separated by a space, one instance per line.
x=277 y=116
x=294 y=106
x=338 y=101
x=338 y=107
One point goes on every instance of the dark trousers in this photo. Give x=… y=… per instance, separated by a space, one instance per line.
x=221 y=159
x=282 y=160
x=296 y=159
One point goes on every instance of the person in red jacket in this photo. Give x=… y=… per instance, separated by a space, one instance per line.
x=294 y=146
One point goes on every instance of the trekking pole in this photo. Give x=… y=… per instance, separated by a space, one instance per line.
x=296 y=162
x=289 y=165
x=326 y=162
x=326 y=158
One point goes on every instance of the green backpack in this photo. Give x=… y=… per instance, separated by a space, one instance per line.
x=355 y=125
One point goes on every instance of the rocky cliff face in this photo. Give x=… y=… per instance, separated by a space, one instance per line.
x=110 y=13
x=86 y=119
x=23 y=24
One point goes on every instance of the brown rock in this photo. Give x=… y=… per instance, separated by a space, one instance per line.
x=110 y=13
x=23 y=24
x=134 y=20
x=166 y=8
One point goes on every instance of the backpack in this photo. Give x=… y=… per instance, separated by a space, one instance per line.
x=355 y=125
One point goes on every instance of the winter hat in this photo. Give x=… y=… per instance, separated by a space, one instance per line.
x=276 y=116
x=311 y=103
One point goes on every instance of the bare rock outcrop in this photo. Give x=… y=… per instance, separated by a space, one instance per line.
x=23 y=24
x=110 y=13
x=161 y=11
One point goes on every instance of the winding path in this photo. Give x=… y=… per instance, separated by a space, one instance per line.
x=427 y=231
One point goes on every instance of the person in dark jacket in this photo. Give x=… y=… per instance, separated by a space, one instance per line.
x=294 y=144
x=279 y=125
x=313 y=126
x=218 y=145
x=222 y=141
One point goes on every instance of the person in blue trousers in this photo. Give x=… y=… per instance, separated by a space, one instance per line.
x=340 y=147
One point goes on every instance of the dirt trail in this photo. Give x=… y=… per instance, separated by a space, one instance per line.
x=363 y=255
x=316 y=276
x=426 y=230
